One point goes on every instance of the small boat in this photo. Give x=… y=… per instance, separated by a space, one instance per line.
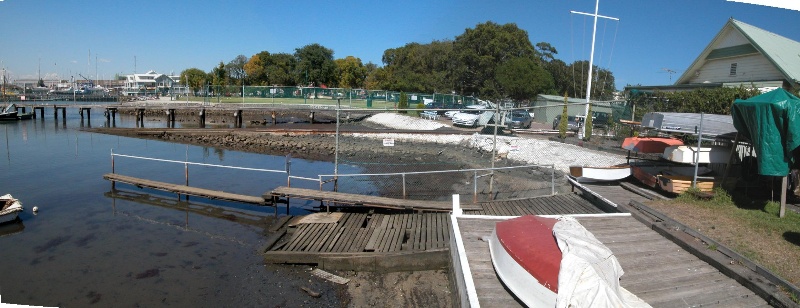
x=648 y=173
x=685 y=154
x=9 y=113
x=677 y=184
x=584 y=174
x=535 y=257
x=9 y=208
x=527 y=259
x=649 y=144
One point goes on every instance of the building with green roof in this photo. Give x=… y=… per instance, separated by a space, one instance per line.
x=741 y=55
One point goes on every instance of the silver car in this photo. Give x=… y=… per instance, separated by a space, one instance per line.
x=519 y=119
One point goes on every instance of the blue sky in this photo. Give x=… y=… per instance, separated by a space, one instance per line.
x=65 y=38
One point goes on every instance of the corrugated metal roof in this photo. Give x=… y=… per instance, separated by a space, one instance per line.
x=783 y=52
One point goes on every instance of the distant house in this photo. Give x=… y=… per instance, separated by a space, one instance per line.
x=152 y=83
x=741 y=55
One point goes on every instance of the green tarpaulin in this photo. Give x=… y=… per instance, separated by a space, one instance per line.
x=772 y=122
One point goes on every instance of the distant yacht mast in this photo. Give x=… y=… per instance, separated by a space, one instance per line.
x=591 y=59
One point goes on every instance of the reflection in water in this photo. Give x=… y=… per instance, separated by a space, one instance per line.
x=193 y=207
x=11 y=227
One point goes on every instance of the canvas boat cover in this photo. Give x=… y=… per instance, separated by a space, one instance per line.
x=771 y=121
x=589 y=275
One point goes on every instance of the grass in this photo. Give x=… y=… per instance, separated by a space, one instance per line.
x=748 y=226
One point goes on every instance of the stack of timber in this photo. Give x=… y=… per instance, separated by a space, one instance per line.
x=364 y=241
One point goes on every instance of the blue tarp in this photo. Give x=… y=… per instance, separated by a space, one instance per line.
x=772 y=122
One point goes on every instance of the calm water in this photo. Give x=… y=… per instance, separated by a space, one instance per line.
x=137 y=247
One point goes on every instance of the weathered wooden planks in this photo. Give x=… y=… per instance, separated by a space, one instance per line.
x=656 y=269
x=372 y=235
x=185 y=190
x=362 y=200
x=547 y=205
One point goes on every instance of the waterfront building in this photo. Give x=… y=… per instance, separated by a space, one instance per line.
x=153 y=84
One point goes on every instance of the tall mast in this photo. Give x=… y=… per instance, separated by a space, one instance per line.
x=591 y=59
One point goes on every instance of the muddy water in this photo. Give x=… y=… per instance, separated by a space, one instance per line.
x=89 y=245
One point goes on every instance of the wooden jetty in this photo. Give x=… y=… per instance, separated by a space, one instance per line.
x=363 y=241
x=545 y=205
x=185 y=190
x=657 y=270
x=361 y=200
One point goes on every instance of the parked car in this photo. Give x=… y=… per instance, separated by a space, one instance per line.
x=572 y=123
x=469 y=116
x=519 y=119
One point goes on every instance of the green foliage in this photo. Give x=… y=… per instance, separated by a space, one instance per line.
x=478 y=52
x=521 y=79
x=562 y=124
x=315 y=65
x=403 y=103
x=707 y=100
x=416 y=67
x=195 y=78
x=235 y=72
x=351 y=72
x=218 y=75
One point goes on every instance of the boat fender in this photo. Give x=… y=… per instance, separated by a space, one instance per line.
x=35 y=209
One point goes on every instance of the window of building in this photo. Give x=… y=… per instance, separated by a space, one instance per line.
x=733 y=69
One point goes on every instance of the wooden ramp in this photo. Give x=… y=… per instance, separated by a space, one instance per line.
x=362 y=200
x=185 y=190
x=364 y=241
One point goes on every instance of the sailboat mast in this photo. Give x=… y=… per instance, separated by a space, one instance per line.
x=591 y=60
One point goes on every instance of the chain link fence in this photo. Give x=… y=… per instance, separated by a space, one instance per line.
x=422 y=154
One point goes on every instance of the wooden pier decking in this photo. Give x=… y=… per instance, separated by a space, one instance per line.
x=364 y=241
x=185 y=190
x=362 y=200
x=546 y=205
x=657 y=270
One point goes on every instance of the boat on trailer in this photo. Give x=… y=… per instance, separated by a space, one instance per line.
x=9 y=208
x=586 y=174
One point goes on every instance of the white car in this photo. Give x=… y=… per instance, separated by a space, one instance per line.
x=469 y=116
x=451 y=113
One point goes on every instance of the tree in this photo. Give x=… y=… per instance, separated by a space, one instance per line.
x=562 y=124
x=195 y=78
x=351 y=72
x=521 y=79
x=546 y=51
x=479 y=51
x=403 y=102
x=602 y=81
x=255 y=68
x=315 y=65
x=280 y=69
x=235 y=70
